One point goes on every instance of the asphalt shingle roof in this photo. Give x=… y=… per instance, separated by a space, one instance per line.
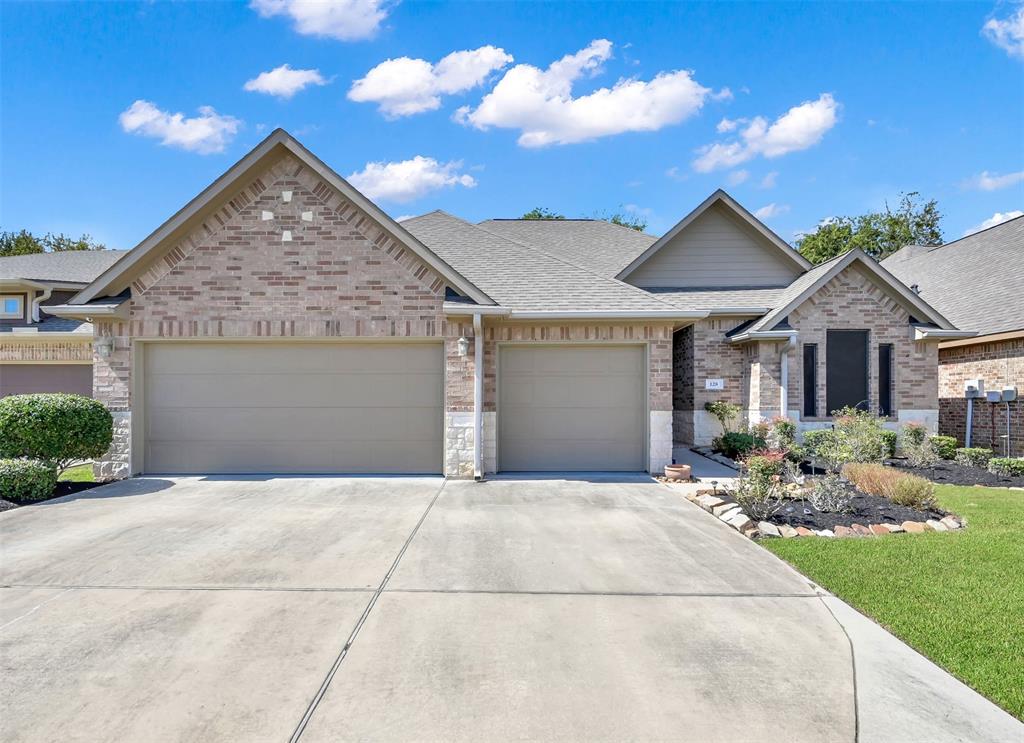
x=976 y=281
x=717 y=299
x=50 y=325
x=74 y=266
x=525 y=278
x=604 y=247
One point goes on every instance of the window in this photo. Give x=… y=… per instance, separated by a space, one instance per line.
x=810 y=380
x=846 y=370
x=12 y=306
x=885 y=379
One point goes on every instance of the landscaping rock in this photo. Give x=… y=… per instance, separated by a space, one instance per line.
x=861 y=530
x=707 y=502
x=739 y=521
x=827 y=533
x=950 y=522
x=788 y=532
x=768 y=530
x=845 y=531
x=803 y=531
x=724 y=507
x=726 y=515
x=705 y=491
x=878 y=529
x=936 y=525
x=893 y=528
x=913 y=527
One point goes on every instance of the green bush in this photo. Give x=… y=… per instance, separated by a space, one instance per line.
x=975 y=456
x=914 y=434
x=859 y=435
x=55 y=428
x=889 y=439
x=735 y=445
x=944 y=446
x=759 y=491
x=26 y=479
x=815 y=439
x=725 y=412
x=1006 y=466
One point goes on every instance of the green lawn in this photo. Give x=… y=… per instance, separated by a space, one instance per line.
x=78 y=473
x=956 y=597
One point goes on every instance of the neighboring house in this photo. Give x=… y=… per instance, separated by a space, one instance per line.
x=281 y=322
x=40 y=352
x=976 y=282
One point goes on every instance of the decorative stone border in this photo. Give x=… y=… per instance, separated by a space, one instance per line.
x=729 y=511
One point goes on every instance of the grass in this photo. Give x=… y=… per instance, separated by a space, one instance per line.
x=956 y=597
x=78 y=473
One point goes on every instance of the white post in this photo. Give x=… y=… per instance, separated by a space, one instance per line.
x=478 y=397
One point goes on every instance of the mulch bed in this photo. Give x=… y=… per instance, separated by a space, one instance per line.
x=62 y=489
x=947 y=472
x=866 y=509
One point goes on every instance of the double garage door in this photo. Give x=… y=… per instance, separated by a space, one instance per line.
x=233 y=408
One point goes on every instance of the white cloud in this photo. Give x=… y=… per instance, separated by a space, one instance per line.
x=409 y=179
x=728 y=125
x=206 y=133
x=997 y=218
x=406 y=86
x=799 y=128
x=986 y=181
x=722 y=95
x=771 y=210
x=769 y=180
x=540 y=102
x=284 y=82
x=345 y=20
x=676 y=174
x=405 y=217
x=1007 y=34
x=737 y=177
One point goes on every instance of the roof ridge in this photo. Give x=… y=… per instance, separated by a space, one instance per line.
x=932 y=248
x=610 y=279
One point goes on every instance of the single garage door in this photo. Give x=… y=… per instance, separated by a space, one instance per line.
x=24 y=379
x=293 y=408
x=571 y=408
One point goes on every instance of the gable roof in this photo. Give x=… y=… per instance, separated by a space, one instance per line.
x=719 y=197
x=605 y=247
x=974 y=281
x=806 y=285
x=269 y=149
x=64 y=267
x=525 y=279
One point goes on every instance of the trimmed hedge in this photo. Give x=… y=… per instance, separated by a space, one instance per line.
x=974 y=456
x=944 y=446
x=1006 y=466
x=813 y=440
x=735 y=445
x=57 y=428
x=26 y=479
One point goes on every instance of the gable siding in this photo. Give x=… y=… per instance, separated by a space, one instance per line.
x=715 y=250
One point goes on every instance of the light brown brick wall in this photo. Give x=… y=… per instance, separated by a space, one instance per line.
x=1000 y=364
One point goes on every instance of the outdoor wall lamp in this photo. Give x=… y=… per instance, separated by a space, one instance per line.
x=463 y=345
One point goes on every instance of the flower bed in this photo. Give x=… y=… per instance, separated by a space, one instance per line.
x=948 y=472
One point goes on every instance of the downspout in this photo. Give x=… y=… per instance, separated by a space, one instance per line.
x=478 y=397
x=788 y=346
x=38 y=301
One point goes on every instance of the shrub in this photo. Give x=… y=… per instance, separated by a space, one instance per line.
x=736 y=445
x=859 y=436
x=914 y=433
x=760 y=491
x=813 y=440
x=56 y=428
x=1006 y=466
x=974 y=456
x=829 y=494
x=901 y=488
x=782 y=434
x=944 y=446
x=725 y=412
x=920 y=454
x=889 y=439
x=26 y=479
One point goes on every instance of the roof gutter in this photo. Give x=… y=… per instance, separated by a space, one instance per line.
x=763 y=335
x=941 y=334
x=608 y=315
x=90 y=311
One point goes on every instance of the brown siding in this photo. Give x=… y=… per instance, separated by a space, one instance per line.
x=24 y=379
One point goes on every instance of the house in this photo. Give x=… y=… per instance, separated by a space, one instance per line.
x=976 y=282
x=38 y=351
x=282 y=322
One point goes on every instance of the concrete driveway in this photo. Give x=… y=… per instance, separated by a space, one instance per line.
x=328 y=609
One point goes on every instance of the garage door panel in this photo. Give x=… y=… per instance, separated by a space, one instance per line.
x=337 y=408
x=572 y=408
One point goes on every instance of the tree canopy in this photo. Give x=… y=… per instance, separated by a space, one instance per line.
x=878 y=234
x=541 y=212
x=25 y=243
x=622 y=219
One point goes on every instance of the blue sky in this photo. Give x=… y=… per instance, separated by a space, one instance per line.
x=816 y=110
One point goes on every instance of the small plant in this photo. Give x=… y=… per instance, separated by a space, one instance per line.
x=944 y=446
x=736 y=445
x=974 y=456
x=829 y=494
x=859 y=433
x=914 y=433
x=725 y=412
x=920 y=454
x=815 y=439
x=26 y=479
x=760 y=490
x=901 y=488
x=1006 y=466
x=889 y=440
x=782 y=435
x=56 y=428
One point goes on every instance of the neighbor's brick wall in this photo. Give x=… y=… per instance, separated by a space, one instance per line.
x=1000 y=364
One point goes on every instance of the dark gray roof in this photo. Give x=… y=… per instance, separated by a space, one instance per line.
x=50 y=325
x=703 y=298
x=72 y=266
x=525 y=278
x=601 y=246
x=802 y=283
x=976 y=281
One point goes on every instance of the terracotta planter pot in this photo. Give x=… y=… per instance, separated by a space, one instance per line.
x=677 y=471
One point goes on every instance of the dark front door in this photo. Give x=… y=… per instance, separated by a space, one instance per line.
x=846 y=362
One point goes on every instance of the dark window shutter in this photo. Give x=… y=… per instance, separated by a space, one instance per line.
x=846 y=369
x=885 y=379
x=810 y=380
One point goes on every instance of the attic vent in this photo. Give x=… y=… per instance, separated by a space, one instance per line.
x=915 y=288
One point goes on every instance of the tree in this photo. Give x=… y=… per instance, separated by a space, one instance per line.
x=631 y=221
x=878 y=234
x=540 y=212
x=25 y=243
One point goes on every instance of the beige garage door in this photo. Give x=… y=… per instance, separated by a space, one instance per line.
x=289 y=407
x=571 y=408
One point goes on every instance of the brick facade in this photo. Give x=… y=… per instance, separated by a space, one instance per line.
x=1000 y=364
